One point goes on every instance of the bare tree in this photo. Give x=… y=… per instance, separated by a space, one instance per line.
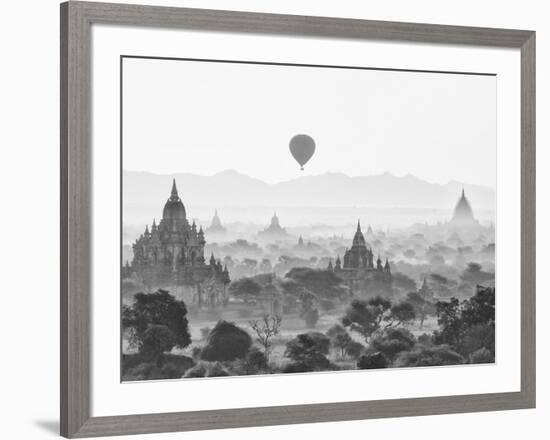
x=339 y=338
x=265 y=329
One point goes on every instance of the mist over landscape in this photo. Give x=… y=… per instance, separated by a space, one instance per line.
x=283 y=277
x=332 y=200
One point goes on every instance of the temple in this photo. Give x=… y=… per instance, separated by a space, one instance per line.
x=274 y=230
x=463 y=214
x=216 y=226
x=425 y=291
x=172 y=254
x=363 y=275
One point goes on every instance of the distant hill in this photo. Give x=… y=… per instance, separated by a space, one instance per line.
x=330 y=190
x=328 y=200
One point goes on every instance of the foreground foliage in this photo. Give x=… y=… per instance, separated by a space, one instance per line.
x=156 y=323
x=373 y=334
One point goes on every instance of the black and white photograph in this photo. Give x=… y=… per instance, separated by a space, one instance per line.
x=276 y=219
x=281 y=218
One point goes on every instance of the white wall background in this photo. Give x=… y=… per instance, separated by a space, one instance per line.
x=29 y=135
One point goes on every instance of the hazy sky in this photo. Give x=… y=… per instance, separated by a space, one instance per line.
x=204 y=117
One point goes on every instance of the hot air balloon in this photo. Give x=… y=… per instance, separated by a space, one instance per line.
x=302 y=148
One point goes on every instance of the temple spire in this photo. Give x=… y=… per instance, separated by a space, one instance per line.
x=174 y=194
x=358 y=225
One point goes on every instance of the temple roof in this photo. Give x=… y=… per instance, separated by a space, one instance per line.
x=174 y=209
x=358 y=238
x=216 y=222
x=463 y=211
x=275 y=220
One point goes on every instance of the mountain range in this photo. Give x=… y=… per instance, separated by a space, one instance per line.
x=330 y=190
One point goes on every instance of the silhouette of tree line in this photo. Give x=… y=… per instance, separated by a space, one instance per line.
x=156 y=323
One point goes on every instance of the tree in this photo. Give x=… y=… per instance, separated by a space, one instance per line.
x=354 y=349
x=254 y=362
x=450 y=322
x=311 y=316
x=266 y=329
x=216 y=370
x=425 y=339
x=422 y=306
x=245 y=288
x=291 y=287
x=400 y=313
x=482 y=356
x=308 y=352
x=476 y=337
x=366 y=317
x=440 y=279
x=372 y=361
x=469 y=325
x=339 y=338
x=156 y=309
x=204 y=332
x=323 y=283
x=392 y=341
x=429 y=356
x=473 y=267
x=441 y=284
x=474 y=275
x=309 y=313
x=226 y=342
x=171 y=371
x=480 y=309
x=156 y=340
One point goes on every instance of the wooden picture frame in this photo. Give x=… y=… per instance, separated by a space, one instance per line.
x=77 y=19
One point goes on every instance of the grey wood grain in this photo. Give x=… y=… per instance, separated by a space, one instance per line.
x=528 y=219
x=76 y=213
x=76 y=186
x=280 y=24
